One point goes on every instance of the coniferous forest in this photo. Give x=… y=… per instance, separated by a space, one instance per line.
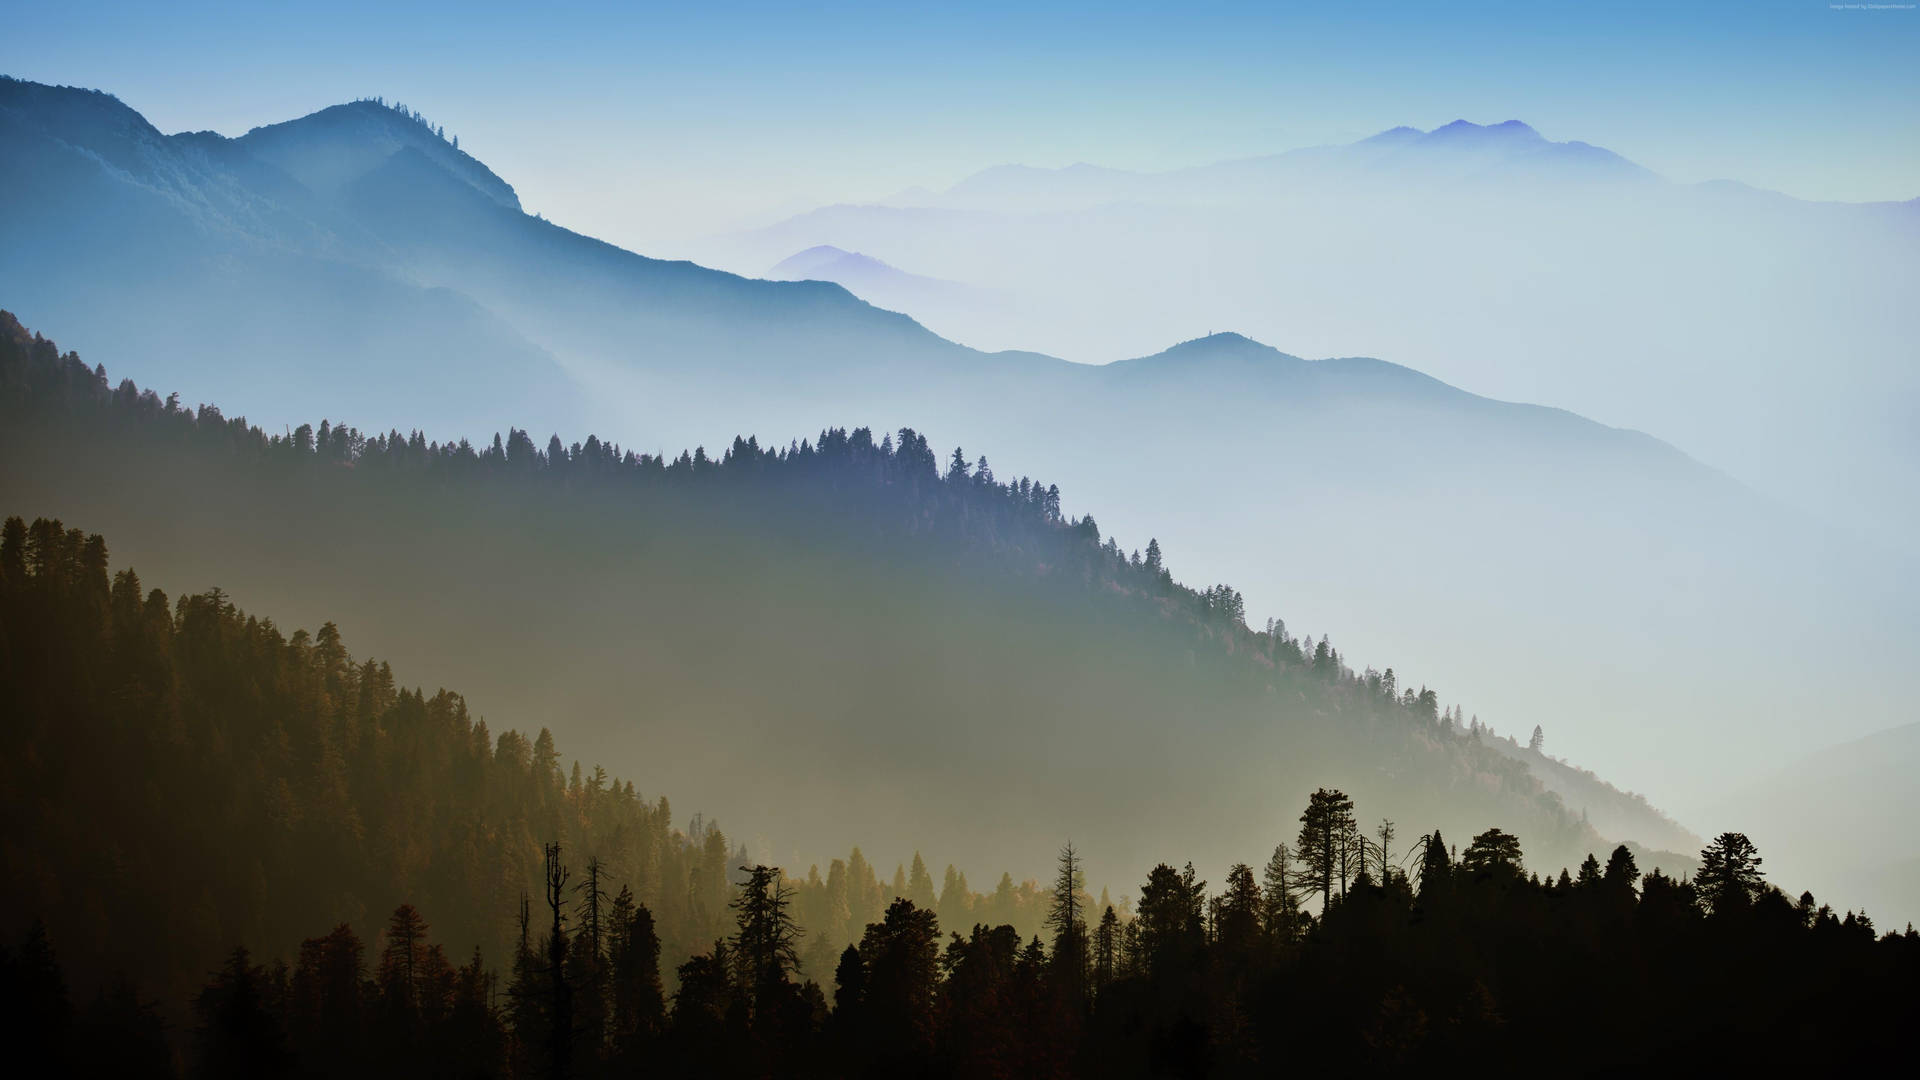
x=236 y=849
x=179 y=773
x=795 y=635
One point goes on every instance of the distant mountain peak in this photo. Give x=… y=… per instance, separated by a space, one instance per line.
x=1508 y=144
x=1506 y=129
x=328 y=149
x=1216 y=345
x=871 y=279
x=1395 y=135
x=826 y=257
x=1223 y=337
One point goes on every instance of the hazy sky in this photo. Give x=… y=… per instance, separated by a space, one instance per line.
x=649 y=126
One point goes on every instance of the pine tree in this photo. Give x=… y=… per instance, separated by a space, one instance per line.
x=1729 y=877
x=1622 y=873
x=1238 y=926
x=1327 y=832
x=1106 y=949
x=1436 y=869
x=587 y=960
x=1589 y=873
x=920 y=884
x=1280 y=908
x=399 y=972
x=1494 y=853
x=1067 y=920
x=639 y=1003
x=527 y=1009
x=765 y=944
x=237 y=1034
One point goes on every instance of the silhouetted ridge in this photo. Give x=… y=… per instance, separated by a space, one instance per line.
x=179 y=776
x=1506 y=130
x=329 y=149
x=908 y=546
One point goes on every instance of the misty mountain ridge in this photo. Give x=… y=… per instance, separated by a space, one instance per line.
x=851 y=270
x=328 y=150
x=1452 y=530
x=825 y=257
x=1461 y=149
x=942 y=306
x=1453 y=251
x=961 y=631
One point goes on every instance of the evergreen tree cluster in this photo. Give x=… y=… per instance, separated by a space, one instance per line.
x=179 y=777
x=175 y=774
x=894 y=485
x=1414 y=959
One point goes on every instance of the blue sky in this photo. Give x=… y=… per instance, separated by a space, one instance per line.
x=649 y=125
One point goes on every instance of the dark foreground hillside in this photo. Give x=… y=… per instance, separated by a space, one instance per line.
x=178 y=778
x=858 y=640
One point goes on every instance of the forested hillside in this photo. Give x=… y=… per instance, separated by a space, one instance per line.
x=180 y=776
x=853 y=641
x=187 y=789
x=358 y=265
x=175 y=777
x=1608 y=809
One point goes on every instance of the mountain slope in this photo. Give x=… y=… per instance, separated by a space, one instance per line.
x=1540 y=564
x=826 y=644
x=228 y=275
x=357 y=234
x=1838 y=810
x=329 y=150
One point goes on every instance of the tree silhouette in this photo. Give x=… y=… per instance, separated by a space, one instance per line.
x=1729 y=877
x=1493 y=853
x=1325 y=844
x=764 y=946
x=1065 y=918
x=560 y=1002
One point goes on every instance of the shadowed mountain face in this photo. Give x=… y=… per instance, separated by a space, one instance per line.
x=214 y=258
x=1535 y=565
x=845 y=643
x=331 y=150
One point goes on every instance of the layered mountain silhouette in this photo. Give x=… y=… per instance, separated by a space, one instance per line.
x=1457 y=151
x=356 y=240
x=1488 y=255
x=827 y=263
x=937 y=303
x=1528 y=562
x=848 y=641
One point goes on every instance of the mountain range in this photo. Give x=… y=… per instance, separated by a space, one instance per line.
x=1766 y=335
x=844 y=640
x=1535 y=564
x=1457 y=152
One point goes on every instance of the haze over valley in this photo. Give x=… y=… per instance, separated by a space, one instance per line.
x=1449 y=532
x=702 y=517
